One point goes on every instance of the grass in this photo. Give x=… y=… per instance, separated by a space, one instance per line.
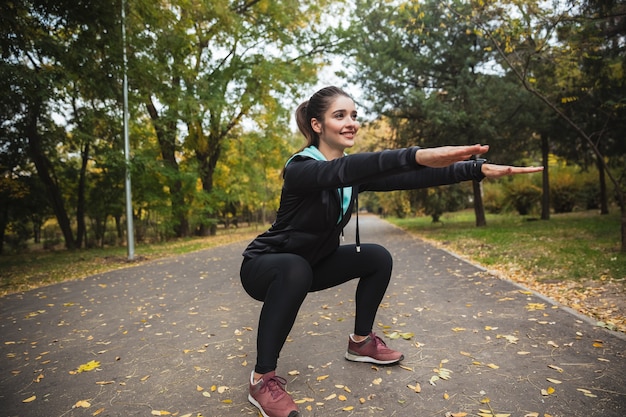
x=580 y=246
x=33 y=269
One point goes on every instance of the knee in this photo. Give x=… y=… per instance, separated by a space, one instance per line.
x=381 y=256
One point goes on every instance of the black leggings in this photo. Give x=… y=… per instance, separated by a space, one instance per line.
x=282 y=281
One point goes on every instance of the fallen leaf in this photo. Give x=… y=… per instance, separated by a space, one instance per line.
x=30 y=399
x=330 y=397
x=321 y=378
x=349 y=408
x=377 y=381
x=556 y=368
x=89 y=366
x=98 y=411
x=82 y=404
x=554 y=381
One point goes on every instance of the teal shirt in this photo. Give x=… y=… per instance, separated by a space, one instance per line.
x=346 y=192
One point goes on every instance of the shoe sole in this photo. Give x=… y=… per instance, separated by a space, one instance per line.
x=357 y=358
x=254 y=402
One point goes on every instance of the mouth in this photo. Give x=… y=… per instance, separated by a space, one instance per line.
x=349 y=135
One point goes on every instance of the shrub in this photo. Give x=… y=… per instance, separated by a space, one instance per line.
x=522 y=194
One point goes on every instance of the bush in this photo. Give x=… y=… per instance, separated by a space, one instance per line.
x=523 y=195
x=563 y=192
x=494 y=198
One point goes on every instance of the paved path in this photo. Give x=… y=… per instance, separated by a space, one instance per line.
x=177 y=337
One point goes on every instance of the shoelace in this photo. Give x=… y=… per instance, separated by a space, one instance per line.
x=275 y=386
x=378 y=340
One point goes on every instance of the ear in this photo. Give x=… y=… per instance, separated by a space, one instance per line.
x=316 y=125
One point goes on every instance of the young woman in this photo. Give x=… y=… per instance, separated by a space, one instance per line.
x=300 y=253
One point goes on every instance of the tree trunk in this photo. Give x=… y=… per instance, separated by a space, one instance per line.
x=604 y=199
x=545 y=195
x=81 y=227
x=479 y=206
x=166 y=136
x=44 y=171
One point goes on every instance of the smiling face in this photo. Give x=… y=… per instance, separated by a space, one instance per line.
x=337 y=130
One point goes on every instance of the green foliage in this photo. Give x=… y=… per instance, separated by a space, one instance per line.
x=523 y=195
x=439 y=200
x=574 y=246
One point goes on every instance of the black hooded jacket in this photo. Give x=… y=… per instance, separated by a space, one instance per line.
x=310 y=219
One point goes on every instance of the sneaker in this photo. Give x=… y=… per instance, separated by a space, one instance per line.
x=270 y=397
x=372 y=350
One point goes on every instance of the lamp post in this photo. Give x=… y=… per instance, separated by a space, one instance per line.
x=129 y=201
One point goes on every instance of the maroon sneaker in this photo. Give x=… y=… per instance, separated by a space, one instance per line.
x=270 y=397
x=372 y=350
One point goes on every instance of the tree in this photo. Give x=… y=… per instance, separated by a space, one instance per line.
x=55 y=56
x=585 y=46
x=425 y=69
x=202 y=69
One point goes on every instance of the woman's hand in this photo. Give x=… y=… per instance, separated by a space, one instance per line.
x=497 y=171
x=446 y=155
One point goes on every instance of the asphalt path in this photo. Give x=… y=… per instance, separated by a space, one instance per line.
x=176 y=337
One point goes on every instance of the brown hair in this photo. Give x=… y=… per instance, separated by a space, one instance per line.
x=314 y=108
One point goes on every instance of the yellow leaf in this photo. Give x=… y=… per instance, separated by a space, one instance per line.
x=460 y=414
x=488 y=414
x=493 y=366
x=293 y=373
x=458 y=329
x=321 y=378
x=100 y=410
x=349 y=408
x=227 y=401
x=502 y=415
x=30 y=399
x=342 y=398
x=446 y=396
x=550 y=390
x=199 y=388
x=89 y=366
x=377 y=381
x=330 y=397
x=533 y=414
x=362 y=400
x=485 y=400
x=554 y=381
x=222 y=389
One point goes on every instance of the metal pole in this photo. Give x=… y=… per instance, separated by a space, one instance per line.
x=129 y=200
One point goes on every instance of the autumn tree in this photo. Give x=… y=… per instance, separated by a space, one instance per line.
x=203 y=69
